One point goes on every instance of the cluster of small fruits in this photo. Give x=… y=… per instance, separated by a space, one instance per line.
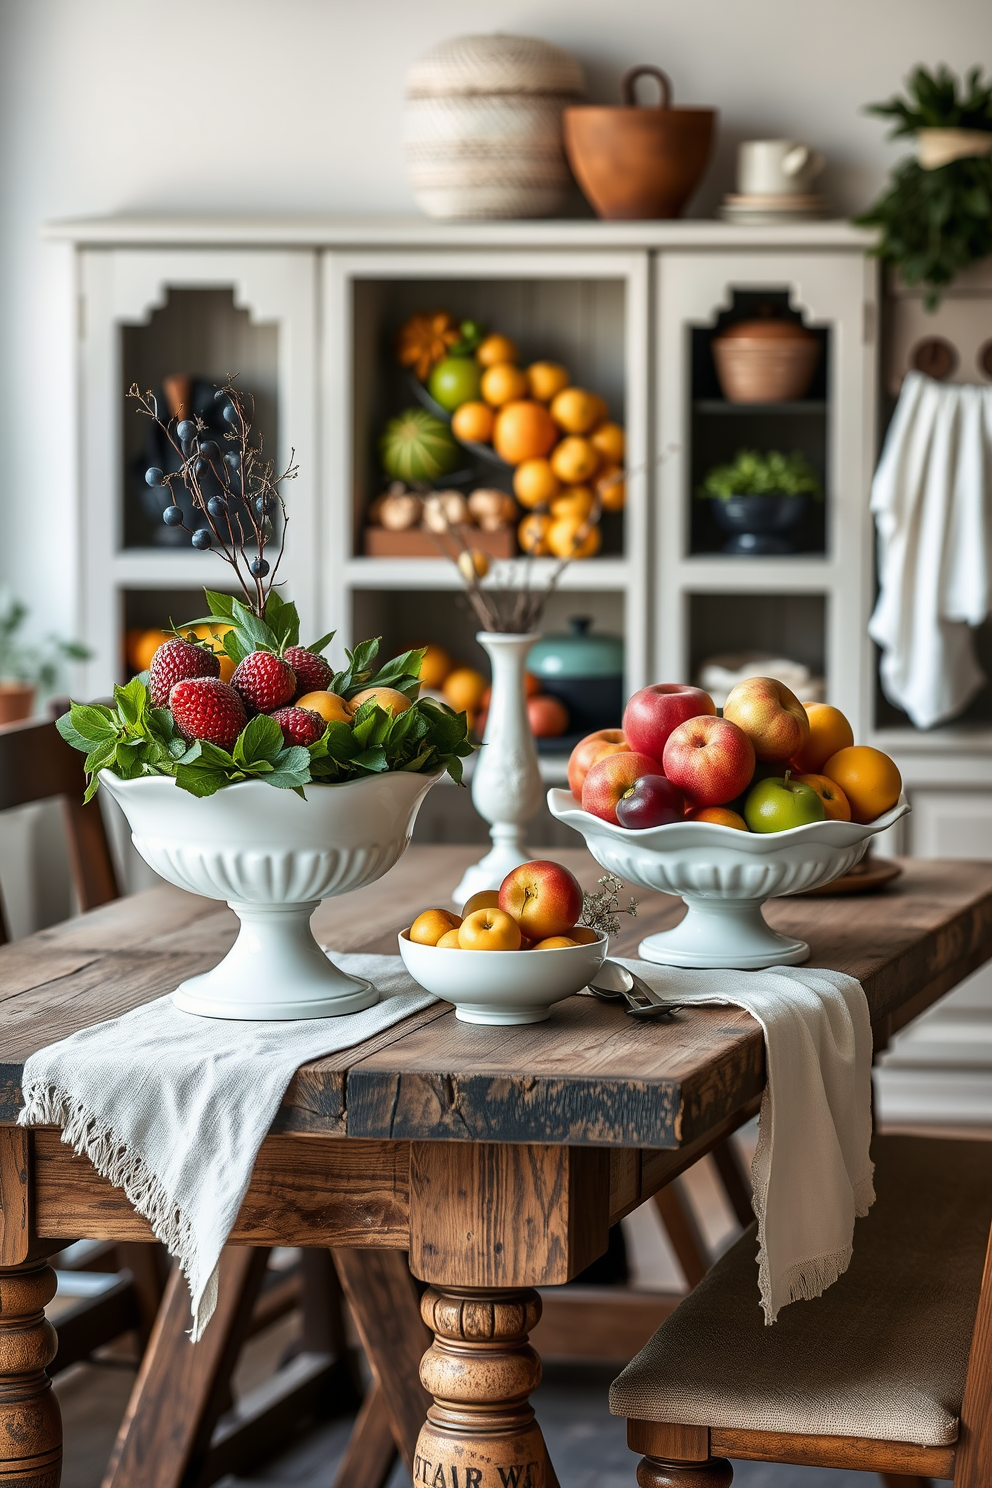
x=769 y=764
x=466 y=691
x=535 y=908
x=567 y=453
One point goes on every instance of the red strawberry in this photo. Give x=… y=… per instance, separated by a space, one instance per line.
x=206 y=708
x=176 y=661
x=299 y=725
x=264 y=682
x=312 y=672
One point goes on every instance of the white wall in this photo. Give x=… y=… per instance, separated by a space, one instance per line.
x=294 y=105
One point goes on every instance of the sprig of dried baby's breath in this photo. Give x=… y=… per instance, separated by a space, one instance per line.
x=599 y=911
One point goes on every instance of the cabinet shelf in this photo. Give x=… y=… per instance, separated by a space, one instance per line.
x=437 y=573
x=721 y=406
x=791 y=574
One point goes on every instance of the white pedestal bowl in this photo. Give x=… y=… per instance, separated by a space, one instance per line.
x=502 y=987
x=273 y=857
x=724 y=876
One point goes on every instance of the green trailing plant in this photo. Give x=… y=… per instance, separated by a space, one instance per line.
x=934 y=223
x=751 y=473
x=41 y=664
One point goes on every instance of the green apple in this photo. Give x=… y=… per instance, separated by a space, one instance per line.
x=454 y=381
x=777 y=805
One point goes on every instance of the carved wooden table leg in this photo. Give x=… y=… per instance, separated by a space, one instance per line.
x=30 y=1421
x=715 y=1472
x=481 y=1431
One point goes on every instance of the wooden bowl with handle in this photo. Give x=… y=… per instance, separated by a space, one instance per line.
x=634 y=163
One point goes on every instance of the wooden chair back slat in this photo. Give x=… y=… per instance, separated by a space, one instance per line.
x=36 y=764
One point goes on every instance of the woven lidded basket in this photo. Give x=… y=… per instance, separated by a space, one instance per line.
x=482 y=126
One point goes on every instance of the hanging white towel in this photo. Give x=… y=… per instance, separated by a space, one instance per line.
x=932 y=500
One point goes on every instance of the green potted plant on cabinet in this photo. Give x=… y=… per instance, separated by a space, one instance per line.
x=24 y=669
x=760 y=499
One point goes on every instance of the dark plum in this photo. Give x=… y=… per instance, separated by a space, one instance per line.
x=652 y=801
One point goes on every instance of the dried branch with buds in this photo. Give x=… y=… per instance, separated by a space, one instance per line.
x=235 y=492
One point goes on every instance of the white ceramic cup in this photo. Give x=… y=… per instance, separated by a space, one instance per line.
x=776 y=167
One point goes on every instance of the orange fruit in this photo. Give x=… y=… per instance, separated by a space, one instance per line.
x=449 y=941
x=472 y=564
x=564 y=540
x=575 y=410
x=227 y=666
x=535 y=483
x=463 y=689
x=331 y=707
x=583 y=934
x=869 y=779
x=835 y=804
x=473 y=422
x=612 y=488
x=524 y=430
x=546 y=379
x=489 y=930
x=391 y=701
x=428 y=927
x=574 y=461
x=554 y=943
x=142 y=645
x=532 y=534
x=609 y=440
x=484 y=899
x=602 y=409
x=435 y=666
x=502 y=383
x=574 y=501
x=719 y=816
x=496 y=348
x=829 y=731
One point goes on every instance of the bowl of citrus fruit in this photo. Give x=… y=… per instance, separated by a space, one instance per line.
x=512 y=953
x=771 y=798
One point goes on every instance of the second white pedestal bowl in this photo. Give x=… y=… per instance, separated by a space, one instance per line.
x=724 y=876
x=273 y=857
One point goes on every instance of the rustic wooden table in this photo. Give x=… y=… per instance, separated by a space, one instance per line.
x=497 y=1157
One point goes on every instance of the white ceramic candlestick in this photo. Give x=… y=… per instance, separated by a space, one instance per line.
x=506 y=785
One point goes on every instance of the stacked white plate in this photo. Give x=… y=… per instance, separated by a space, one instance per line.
x=762 y=210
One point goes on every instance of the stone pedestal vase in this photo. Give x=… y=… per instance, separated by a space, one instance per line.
x=482 y=127
x=273 y=857
x=506 y=786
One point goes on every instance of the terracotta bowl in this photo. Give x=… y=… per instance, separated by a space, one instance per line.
x=765 y=361
x=634 y=163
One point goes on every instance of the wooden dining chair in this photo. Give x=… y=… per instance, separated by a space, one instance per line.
x=36 y=764
x=889 y=1371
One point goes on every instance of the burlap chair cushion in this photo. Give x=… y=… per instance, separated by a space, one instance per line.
x=883 y=1353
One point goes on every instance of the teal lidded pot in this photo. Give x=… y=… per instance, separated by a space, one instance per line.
x=585 y=670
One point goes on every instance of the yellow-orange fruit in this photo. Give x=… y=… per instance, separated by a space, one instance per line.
x=532 y=534
x=435 y=667
x=608 y=439
x=565 y=541
x=502 y=383
x=576 y=411
x=535 y=483
x=484 y=899
x=524 y=430
x=330 y=707
x=463 y=689
x=387 y=698
x=574 y=501
x=449 y=941
x=429 y=926
x=473 y=422
x=496 y=348
x=546 y=379
x=574 y=461
x=611 y=488
x=869 y=779
x=554 y=943
x=489 y=930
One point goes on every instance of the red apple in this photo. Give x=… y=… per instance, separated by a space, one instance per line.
x=543 y=897
x=711 y=759
x=652 y=801
x=547 y=716
x=652 y=714
x=590 y=749
x=609 y=777
x=772 y=717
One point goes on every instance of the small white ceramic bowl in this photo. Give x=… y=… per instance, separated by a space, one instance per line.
x=724 y=875
x=502 y=986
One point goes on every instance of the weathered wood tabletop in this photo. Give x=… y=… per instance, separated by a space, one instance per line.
x=497 y=1157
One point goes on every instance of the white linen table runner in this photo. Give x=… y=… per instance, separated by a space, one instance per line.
x=812 y=1173
x=172 y=1108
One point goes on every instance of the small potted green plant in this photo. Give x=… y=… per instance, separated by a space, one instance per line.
x=935 y=218
x=25 y=669
x=760 y=499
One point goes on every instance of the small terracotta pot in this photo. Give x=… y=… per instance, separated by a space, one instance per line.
x=16 y=701
x=634 y=163
x=765 y=361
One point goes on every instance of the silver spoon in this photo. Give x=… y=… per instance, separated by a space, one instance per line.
x=615 y=983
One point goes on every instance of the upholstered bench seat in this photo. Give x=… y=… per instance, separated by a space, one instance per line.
x=882 y=1354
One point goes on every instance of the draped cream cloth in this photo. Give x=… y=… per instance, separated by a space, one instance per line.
x=932 y=500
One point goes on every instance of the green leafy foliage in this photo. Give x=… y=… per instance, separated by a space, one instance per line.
x=934 y=223
x=754 y=474
x=41 y=664
x=133 y=738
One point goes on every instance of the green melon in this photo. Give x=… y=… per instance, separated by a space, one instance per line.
x=416 y=446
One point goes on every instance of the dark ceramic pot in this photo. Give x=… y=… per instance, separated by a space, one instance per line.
x=760 y=525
